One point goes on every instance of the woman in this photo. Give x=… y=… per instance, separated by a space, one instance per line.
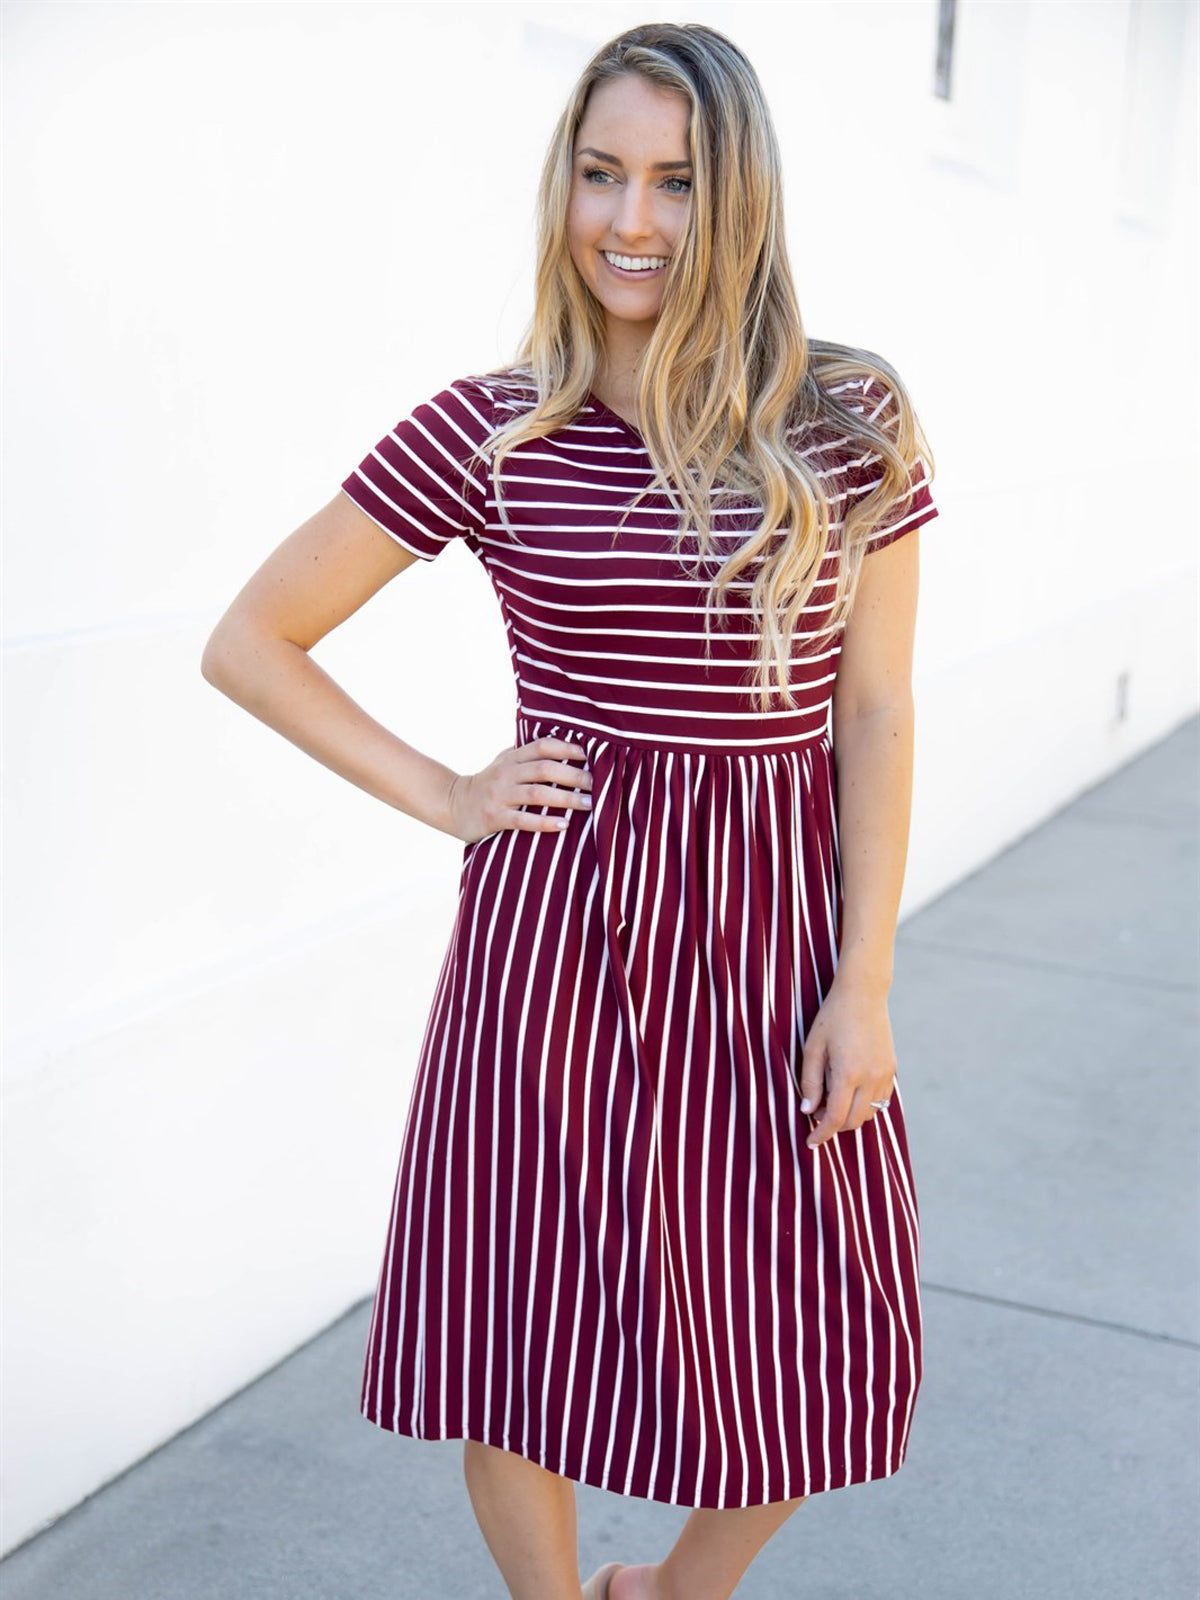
x=654 y=1226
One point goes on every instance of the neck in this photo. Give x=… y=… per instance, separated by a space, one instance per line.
x=617 y=370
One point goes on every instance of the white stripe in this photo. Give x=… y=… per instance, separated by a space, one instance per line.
x=730 y=1169
x=627 y=803
x=589 y=1396
x=514 y=1255
x=569 y=1424
x=799 y=916
x=693 y=636
x=596 y=581
x=466 y=1154
x=748 y=1009
x=693 y=785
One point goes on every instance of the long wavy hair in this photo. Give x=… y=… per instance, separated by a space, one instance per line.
x=728 y=375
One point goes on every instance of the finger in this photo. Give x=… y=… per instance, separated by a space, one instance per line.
x=532 y=822
x=540 y=794
x=861 y=1109
x=812 y=1075
x=555 y=772
x=831 y=1120
x=552 y=750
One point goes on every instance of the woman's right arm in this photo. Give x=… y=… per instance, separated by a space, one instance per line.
x=258 y=655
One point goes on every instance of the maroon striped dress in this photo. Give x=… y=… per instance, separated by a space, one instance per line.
x=610 y=1249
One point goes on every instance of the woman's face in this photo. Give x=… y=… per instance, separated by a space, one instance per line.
x=630 y=191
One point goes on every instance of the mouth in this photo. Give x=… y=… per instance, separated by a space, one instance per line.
x=630 y=274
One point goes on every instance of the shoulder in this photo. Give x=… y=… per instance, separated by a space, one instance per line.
x=502 y=393
x=868 y=395
x=858 y=380
x=850 y=392
x=463 y=405
x=880 y=401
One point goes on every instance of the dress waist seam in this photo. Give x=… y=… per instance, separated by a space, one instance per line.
x=581 y=732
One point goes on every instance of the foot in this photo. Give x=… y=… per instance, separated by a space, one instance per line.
x=636 y=1583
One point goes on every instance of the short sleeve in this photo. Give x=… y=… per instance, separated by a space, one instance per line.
x=420 y=483
x=911 y=511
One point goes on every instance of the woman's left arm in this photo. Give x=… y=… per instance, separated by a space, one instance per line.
x=849 y=1056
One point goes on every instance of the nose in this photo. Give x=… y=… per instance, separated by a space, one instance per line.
x=634 y=220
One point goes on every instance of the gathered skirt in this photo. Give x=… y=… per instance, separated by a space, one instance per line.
x=609 y=1248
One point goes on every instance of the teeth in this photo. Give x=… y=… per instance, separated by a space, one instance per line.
x=635 y=263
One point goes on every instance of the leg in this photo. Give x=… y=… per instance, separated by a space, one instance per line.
x=710 y=1557
x=527 y=1517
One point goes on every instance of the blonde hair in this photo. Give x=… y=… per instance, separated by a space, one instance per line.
x=729 y=374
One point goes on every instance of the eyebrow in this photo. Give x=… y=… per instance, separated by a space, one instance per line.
x=659 y=166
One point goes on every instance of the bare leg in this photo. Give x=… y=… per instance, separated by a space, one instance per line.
x=527 y=1517
x=710 y=1556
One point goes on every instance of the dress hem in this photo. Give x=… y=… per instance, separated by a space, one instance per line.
x=576 y=1475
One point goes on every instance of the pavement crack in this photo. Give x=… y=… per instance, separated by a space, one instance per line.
x=1062 y=1316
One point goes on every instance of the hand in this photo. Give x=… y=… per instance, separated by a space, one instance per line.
x=521 y=775
x=849 y=1060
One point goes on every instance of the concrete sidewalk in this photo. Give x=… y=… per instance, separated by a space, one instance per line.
x=1045 y=1020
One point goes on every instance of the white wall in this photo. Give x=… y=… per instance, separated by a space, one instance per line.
x=219 y=957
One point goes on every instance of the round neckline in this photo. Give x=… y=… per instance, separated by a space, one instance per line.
x=608 y=411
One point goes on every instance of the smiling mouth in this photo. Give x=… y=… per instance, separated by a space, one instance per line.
x=640 y=266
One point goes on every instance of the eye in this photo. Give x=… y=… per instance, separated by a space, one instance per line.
x=598 y=172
